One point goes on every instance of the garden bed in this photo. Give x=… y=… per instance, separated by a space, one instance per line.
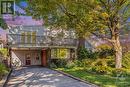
x=4 y=73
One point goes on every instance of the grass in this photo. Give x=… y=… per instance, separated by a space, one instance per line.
x=101 y=80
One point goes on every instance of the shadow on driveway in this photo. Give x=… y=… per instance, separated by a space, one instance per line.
x=41 y=77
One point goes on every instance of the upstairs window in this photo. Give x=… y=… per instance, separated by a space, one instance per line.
x=33 y=37
x=28 y=37
x=23 y=37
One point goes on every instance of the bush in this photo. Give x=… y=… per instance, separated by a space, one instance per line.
x=78 y=63
x=105 y=50
x=3 y=70
x=119 y=72
x=83 y=53
x=126 y=60
x=101 y=69
x=99 y=66
x=103 y=46
x=3 y=52
x=70 y=64
x=52 y=65
x=110 y=61
x=59 y=62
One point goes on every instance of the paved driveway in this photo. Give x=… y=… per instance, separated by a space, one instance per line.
x=41 y=77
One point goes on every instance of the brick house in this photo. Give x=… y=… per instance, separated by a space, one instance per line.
x=37 y=45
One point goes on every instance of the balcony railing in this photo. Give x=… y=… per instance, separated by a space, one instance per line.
x=14 y=40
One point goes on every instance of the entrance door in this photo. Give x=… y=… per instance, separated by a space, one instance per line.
x=28 y=59
x=44 y=58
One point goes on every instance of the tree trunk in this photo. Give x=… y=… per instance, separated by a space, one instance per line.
x=81 y=42
x=118 y=52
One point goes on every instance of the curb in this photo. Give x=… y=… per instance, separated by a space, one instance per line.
x=78 y=79
x=6 y=78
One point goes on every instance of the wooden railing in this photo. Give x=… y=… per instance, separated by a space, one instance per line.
x=14 y=40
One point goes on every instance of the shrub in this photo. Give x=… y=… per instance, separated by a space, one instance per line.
x=3 y=52
x=126 y=60
x=78 y=63
x=119 y=72
x=52 y=65
x=83 y=53
x=70 y=64
x=105 y=50
x=110 y=61
x=101 y=69
x=3 y=70
x=103 y=46
x=59 y=62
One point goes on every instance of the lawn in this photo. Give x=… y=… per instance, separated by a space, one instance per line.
x=101 y=80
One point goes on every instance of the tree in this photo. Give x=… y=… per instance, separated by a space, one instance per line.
x=66 y=14
x=116 y=13
x=102 y=18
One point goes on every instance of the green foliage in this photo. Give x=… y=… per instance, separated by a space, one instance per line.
x=126 y=60
x=52 y=65
x=100 y=80
x=111 y=61
x=65 y=14
x=100 y=66
x=105 y=50
x=83 y=53
x=102 y=18
x=100 y=62
x=3 y=70
x=119 y=72
x=58 y=63
x=101 y=69
x=71 y=64
x=3 y=52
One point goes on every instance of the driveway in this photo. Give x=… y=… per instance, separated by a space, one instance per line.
x=41 y=77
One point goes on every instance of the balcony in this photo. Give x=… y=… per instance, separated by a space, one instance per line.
x=14 y=40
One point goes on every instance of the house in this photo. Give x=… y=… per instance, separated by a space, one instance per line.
x=37 y=45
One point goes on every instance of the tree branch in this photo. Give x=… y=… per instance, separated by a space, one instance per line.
x=102 y=37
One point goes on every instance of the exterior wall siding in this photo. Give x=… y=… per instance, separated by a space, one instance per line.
x=38 y=36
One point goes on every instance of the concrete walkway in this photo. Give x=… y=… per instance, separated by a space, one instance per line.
x=41 y=77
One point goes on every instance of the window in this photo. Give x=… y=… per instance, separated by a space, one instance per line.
x=28 y=37
x=62 y=53
x=23 y=37
x=53 y=53
x=37 y=57
x=33 y=37
x=59 y=53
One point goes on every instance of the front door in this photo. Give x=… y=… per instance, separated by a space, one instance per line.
x=28 y=59
x=44 y=57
